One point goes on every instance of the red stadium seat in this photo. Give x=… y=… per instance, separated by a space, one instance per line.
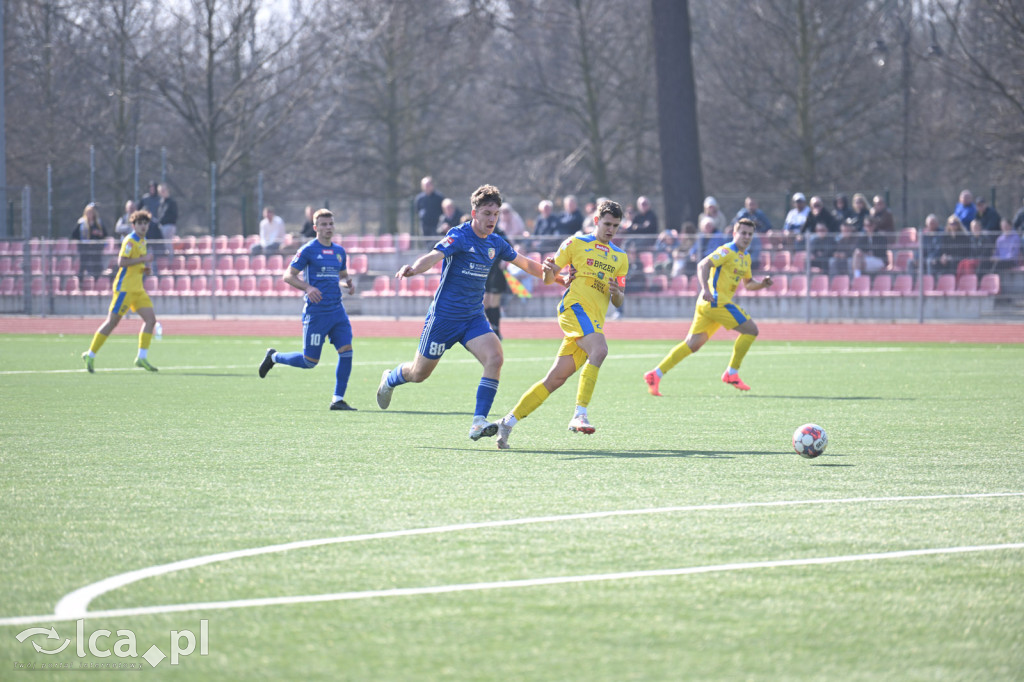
x=381 y=287
x=220 y=243
x=386 y=243
x=945 y=285
x=903 y=285
x=968 y=285
x=69 y=287
x=902 y=260
x=797 y=286
x=247 y=285
x=839 y=285
x=358 y=264
x=798 y=262
x=779 y=287
x=258 y=264
x=907 y=238
x=819 y=285
x=989 y=285
x=200 y=285
x=232 y=285
x=275 y=264
x=403 y=241
x=881 y=285
x=860 y=286
x=647 y=262
x=236 y=244
x=225 y=265
x=678 y=285
x=265 y=285
x=242 y=265
x=183 y=285
x=780 y=261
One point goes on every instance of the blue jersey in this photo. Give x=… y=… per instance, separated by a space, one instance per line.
x=467 y=261
x=321 y=267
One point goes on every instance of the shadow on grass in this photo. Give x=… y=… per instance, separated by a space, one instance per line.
x=630 y=454
x=824 y=397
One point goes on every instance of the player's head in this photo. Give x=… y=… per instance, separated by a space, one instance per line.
x=323 y=223
x=485 y=194
x=486 y=203
x=607 y=218
x=743 y=233
x=140 y=222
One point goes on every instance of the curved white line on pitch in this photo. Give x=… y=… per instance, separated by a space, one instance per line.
x=506 y=584
x=75 y=604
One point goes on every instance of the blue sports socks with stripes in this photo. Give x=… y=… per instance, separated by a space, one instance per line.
x=485 y=396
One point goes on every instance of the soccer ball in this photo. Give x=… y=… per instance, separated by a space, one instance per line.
x=809 y=441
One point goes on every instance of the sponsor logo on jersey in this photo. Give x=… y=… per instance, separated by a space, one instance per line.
x=490 y=254
x=447 y=241
x=602 y=248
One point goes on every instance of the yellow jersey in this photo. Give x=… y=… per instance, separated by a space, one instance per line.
x=729 y=267
x=129 y=279
x=595 y=265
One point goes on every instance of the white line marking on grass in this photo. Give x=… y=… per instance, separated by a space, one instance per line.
x=77 y=603
x=506 y=584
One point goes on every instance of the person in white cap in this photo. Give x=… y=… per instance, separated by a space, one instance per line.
x=712 y=212
x=797 y=216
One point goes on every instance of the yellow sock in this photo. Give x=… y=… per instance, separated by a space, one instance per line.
x=740 y=348
x=97 y=342
x=530 y=400
x=675 y=356
x=588 y=379
x=144 y=340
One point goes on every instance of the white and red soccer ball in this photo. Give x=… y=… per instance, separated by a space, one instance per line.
x=810 y=440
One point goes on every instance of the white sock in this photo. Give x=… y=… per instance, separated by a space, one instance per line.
x=143 y=352
x=510 y=420
x=733 y=370
x=91 y=354
x=580 y=411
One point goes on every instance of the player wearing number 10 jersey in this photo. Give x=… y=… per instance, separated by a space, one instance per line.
x=323 y=264
x=456 y=315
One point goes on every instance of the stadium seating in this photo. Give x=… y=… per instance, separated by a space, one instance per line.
x=903 y=285
x=839 y=285
x=265 y=285
x=881 y=285
x=9 y=286
x=798 y=262
x=907 y=238
x=200 y=286
x=247 y=285
x=679 y=285
x=797 y=286
x=413 y=286
x=819 y=285
x=236 y=244
x=220 y=243
x=780 y=261
x=381 y=287
x=860 y=286
x=944 y=286
x=183 y=286
x=275 y=264
x=242 y=265
x=989 y=284
x=779 y=287
x=358 y=264
x=232 y=285
x=902 y=260
x=433 y=284
x=647 y=262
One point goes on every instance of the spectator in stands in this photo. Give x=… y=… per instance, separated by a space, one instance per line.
x=510 y=226
x=822 y=246
x=846 y=245
x=667 y=241
x=931 y=240
x=885 y=224
x=751 y=212
x=797 y=216
x=681 y=254
x=979 y=257
x=955 y=246
x=989 y=217
x=709 y=239
x=712 y=211
x=1018 y=218
x=841 y=209
x=861 y=210
x=820 y=214
x=571 y=220
x=872 y=253
x=308 y=228
x=428 y=206
x=451 y=216
x=645 y=221
x=545 y=227
x=151 y=199
x=91 y=233
x=167 y=212
x=1007 y=251
x=124 y=226
x=323 y=316
x=965 y=209
x=272 y=233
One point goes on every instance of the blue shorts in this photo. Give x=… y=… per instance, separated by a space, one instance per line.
x=441 y=333
x=319 y=327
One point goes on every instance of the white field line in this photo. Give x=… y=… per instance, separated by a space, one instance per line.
x=506 y=584
x=461 y=360
x=75 y=604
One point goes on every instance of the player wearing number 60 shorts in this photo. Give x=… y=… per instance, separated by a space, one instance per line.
x=322 y=264
x=456 y=314
x=599 y=269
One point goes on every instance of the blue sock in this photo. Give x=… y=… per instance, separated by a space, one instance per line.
x=396 y=378
x=485 y=393
x=296 y=359
x=342 y=374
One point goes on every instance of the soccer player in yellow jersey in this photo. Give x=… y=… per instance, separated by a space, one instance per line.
x=132 y=263
x=600 y=274
x=720 y=274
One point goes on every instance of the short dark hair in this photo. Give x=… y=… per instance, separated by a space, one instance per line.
x=138 y=215
x=485 y=194
x=322 y=213
x=610 y=207
x=748 y=222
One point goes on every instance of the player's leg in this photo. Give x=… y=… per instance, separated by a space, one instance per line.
x=569 y=358
x=701 y=329
x=314 y=333
x=434 y=341
x=492 y=308
x=341 y=338
x=145 y=336
x=117 y=309
x=486 y=348
x=747 y=334
x=595 y=346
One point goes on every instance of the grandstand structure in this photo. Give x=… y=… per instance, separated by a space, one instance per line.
x=205 y=275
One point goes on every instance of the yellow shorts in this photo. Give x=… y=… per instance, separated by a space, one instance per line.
x=576 y=323
x=134 y=300
x=708 y=320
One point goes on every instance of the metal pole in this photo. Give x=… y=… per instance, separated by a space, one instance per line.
x=920 y=276
x=213 y=231
x=163 y=165
x=49 y=201
x=807 y=274
x=26 y=212
x=92 y=174
x=259 y=195
x=135 y=186
x=905 y=78
x=4 y=225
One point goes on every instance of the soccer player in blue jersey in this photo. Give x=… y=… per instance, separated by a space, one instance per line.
x=132 y=263
x=720 y=274
x=456 y=315
x=323 y=264
x=599 y=276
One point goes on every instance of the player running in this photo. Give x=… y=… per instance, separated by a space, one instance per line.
x=323 y=265
x=720 y=274
x=456 y=315
x=600 y=275
x=129 y=294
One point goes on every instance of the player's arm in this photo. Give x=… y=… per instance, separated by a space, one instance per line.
x=421 y=264
x=124 y=261
x=703 y=274
x=291 y=276
x=343 y=276
x=529 y=265
x=752 y=284
x=616 y=291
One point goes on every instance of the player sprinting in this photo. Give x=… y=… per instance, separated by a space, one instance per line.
x=456 y=315
x=323 y=265
x=129 y=294
x=720 y=274
x=600 y=275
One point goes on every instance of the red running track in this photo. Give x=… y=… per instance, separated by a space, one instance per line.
x=930 y=332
